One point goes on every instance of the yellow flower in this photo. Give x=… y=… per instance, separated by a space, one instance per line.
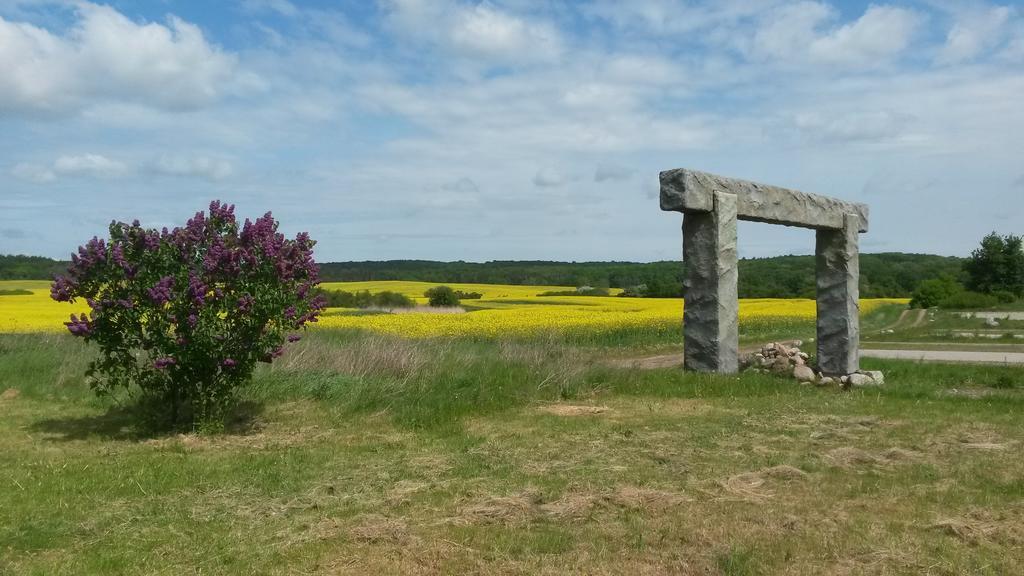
x=503 y=310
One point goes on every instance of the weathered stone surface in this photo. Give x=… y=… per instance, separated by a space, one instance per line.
x=876 y=375
x=711 y=314
x=838 y=270
x=802 y=372
x=860 y=380
x=684 y=190
x=711 y=206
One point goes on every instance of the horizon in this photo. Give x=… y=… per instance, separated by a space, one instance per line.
x=507 y=130
x=811 y=255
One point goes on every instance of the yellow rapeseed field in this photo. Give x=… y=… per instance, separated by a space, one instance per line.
x=503 y=310
x=415 y=290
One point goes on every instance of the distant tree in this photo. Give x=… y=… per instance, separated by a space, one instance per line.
x=931 y=293
x=997 y=265
x=440 y=296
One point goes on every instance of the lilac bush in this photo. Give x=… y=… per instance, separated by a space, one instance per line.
x=186 y=314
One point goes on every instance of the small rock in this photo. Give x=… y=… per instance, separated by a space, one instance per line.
x=805 y=383
x=875 y=375
x=844 y=380
x=804 y=355
x=798 y=343
x=826 y=381
x=803 y=372
x=798 y=361
x=859 y=380
x=781 y=365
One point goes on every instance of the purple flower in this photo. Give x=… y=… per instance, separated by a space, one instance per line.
x=245 y=303
x=294 y=337
x=117 y=253
x=192 y=320
x=164 y=362
x=196 y=289
x=224 y=212
x=229 y=363
x=62 y=289
x=79 y=327
x=160 y=293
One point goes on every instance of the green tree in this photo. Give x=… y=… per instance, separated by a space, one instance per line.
x=931 y=293
x=442 y=296
x=997 y=265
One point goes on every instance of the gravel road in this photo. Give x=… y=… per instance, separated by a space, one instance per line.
x=947 y=356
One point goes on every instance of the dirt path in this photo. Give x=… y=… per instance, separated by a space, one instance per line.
x=922 y=315
x=964 y=356
x=674 y=359
x=897 y=323
x=908 y=319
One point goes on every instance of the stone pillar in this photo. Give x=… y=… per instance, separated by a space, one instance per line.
x=838 y=269
x=711 y=315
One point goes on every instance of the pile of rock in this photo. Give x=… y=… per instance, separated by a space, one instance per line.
x=788 y=360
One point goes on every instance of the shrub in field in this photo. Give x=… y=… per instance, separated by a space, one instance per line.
x=931 y=293
x=967 y=299
x=185 y=314
x=581 y=291
x=468 y=295
x=365 y=299
x=439 y=296
x=1005 y=296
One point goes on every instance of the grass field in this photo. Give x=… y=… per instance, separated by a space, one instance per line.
x=515 y=452
x=363 y=453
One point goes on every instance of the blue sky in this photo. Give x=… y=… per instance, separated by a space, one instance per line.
x=507 y=129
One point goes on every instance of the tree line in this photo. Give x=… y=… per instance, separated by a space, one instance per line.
x=882 y=275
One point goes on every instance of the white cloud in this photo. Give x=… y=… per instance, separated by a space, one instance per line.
x=99 y=166
x=974 y=33
x=483 y=30
x=881 y=33
x=674 y=17
x=89 y=165
x=797 y=33
x=477 y=32
x=846 y=126
x=192 y=166
x=282 y=7
x=106 y=56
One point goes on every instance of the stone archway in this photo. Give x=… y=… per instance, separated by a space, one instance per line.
x=711 y=206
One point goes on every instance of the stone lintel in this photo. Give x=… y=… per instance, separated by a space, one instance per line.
x=711 y=311
x=690 y=191
x=838 y=271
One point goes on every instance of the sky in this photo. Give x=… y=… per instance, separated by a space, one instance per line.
x=507 y=129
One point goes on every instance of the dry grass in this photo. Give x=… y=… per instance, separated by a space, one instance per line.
x=371 y=356
x=572 y=410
